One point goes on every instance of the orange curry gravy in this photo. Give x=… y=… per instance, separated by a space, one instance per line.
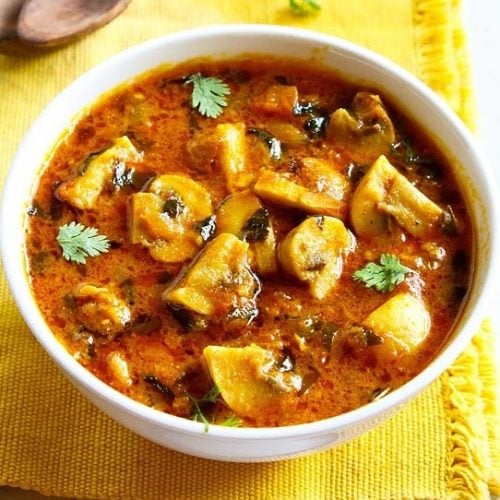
x=323 y=359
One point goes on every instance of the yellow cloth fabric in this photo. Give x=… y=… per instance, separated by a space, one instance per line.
x=444 y=444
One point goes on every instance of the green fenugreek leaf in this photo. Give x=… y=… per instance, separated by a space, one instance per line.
x=405 y=152
x=257 y=227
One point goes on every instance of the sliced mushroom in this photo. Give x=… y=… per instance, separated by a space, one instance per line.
x=202 y=150
x=383 y=192
x=219 y=284
x=231 y=155
x=364 y=134
x=100 y=310
x=243 y=215
x=276 y=100
x=118 y=367
x=247 y=377
x=403 y=323
x=366 y=217
x=83 y=190
x=411 y=208
x=288 y=134
x=313 y=252
x=166 y=217
x=316 y=187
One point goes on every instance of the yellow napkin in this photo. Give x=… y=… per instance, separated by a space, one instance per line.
x=444 y=444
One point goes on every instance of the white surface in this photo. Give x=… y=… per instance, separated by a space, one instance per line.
x=481 y=19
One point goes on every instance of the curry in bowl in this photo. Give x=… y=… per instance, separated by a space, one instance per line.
x=249 y=242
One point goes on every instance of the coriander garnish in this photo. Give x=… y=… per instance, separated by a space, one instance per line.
x=304 y=7
x=208 y=95
x=232 y=421
x=384 y=276
x=79 y=242
x=210 y=397
x=198 y=414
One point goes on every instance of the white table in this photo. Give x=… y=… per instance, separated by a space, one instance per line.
x=481 y=18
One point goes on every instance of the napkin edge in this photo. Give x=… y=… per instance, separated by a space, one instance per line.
x=444 y=64
x=442 y=55
x=489 y=376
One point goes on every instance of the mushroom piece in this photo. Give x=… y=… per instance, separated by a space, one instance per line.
x=82 y=191
x=364 y=134
x=313 y=252
x=166 y=218
x=247 y=377
x=100 y=310
x=315 y=187
x=201 y=151
x=218 y=285
x=231 y=155
x=286 y=133
x=403 y=323
x=226 y=148
x=276 y=100
x=118 y=367
x=383 y=192
x=243 y=215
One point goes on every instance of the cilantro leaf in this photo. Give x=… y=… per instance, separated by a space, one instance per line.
x=79 y=242
x=232 y=421
x=210 y=397
x=384 y=276
x=208 y=95
x=197 y=415
x=304 y=7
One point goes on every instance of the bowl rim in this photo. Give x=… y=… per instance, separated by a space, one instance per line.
x=79 y=374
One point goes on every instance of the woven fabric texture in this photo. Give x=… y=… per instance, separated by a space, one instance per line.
x=444 y=444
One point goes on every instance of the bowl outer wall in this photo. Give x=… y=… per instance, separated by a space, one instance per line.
x=359 y=64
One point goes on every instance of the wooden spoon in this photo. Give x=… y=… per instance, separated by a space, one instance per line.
x=53 y=22
x=9 y=13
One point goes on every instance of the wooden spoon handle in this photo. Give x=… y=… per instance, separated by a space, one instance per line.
x=53 y=22
x=9 y=13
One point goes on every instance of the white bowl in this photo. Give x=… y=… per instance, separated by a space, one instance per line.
x=358 y=64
